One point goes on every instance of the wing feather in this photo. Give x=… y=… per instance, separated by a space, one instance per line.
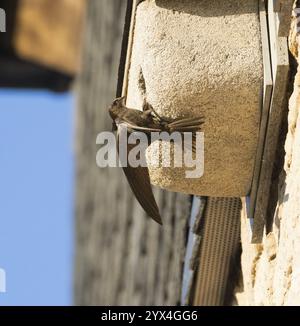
x=139 y=181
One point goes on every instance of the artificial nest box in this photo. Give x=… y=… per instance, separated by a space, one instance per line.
x=202 y=57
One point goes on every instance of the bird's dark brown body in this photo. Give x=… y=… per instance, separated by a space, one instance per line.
x=146 y=121
x=142 y=119
x=138 y=118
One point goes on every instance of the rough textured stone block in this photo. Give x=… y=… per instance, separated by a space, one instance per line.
x=202 y=57
x=271 y=270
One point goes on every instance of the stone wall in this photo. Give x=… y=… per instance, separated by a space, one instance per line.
x=122 y=257
x=271 y=270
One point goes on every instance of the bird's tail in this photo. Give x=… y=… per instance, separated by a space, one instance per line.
x=186 y=124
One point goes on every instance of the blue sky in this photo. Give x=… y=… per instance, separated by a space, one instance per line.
x=36 y=192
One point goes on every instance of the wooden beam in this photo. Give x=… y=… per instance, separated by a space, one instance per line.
x=280 y=68
x=283 y=12
x=265 y=106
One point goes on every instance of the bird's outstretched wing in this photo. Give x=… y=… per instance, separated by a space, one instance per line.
x=139 y=181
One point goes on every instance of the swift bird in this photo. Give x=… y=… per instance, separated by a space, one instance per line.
x=146 y=121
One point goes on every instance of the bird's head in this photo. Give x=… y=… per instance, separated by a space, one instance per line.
x=116 y=106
